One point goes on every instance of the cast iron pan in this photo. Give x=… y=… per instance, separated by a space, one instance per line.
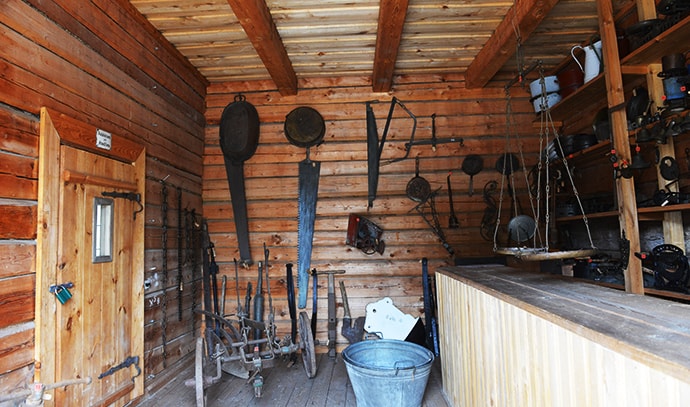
x=304 y=127
x=507 y=163
x=418 y=189
x=239 y=130
x=472 y=165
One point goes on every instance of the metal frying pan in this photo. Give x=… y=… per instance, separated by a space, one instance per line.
x=418 y=189
x=507 y=164
x=304 y=127
x=472 y=165
x=239 y=137
x=239 y=130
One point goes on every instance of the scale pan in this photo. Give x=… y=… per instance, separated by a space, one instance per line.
x=521 y=228
x=536 y=254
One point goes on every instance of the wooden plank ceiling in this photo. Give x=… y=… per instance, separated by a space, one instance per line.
x=288 y=40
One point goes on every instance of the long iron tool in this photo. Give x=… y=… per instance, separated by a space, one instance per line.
x=453 y=222
x=271 y=311
x=375 y=147
x=259 y=302
x=331 y=310
x=308 y=192
x=353 y=333
x=431 y=326
x=315 y=297
x=291 y=307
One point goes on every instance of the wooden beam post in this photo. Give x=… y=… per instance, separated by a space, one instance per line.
x=625 y=188
x=256 y=20
x=392 y=15
x=524 y=17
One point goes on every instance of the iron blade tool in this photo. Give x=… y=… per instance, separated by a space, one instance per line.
x=308 y=191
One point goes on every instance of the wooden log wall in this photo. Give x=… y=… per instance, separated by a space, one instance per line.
x=102 y=63
x=476 y=116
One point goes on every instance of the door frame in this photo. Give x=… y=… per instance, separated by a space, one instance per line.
x=57 y=129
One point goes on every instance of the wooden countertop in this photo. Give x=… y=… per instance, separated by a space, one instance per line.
x=650 y=330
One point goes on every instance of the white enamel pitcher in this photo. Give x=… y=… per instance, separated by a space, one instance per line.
x=593 y=59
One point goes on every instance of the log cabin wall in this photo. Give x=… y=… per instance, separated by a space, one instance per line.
x=476 y=116
x=102 y=63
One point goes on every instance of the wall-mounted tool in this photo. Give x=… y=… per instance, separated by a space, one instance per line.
x=239 y=137
x=364 y=235
x=375 y=147
x=453 y=222
x=305 y=127
x=419 y=190
x=434 y=140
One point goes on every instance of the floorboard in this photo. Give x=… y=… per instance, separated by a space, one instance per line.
x=283 y=386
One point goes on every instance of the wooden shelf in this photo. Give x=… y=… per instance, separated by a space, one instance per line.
x=602 y=147
x=607 y=214
x=645 y=213
x=592 y=95
x=664 y=44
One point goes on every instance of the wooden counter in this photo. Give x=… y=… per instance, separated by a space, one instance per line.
x=511 y=338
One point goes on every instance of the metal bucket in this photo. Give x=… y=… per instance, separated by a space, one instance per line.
x=388 y=372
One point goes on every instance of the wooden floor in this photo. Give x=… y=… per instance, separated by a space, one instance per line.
x=283 y=387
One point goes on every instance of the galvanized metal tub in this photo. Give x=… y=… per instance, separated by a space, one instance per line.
x=388 y=372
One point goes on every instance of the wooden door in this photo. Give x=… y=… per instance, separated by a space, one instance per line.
x=93 y=242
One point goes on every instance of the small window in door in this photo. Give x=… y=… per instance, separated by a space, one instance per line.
x=102 y=230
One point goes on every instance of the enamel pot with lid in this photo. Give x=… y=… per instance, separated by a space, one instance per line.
x=550 y=84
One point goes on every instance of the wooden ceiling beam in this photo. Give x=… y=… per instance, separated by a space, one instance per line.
x=392 y=15
x=525 y=15
x=258 y=24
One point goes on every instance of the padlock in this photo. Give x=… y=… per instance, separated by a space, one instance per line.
x=62 y=292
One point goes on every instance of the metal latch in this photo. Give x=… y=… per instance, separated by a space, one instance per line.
x=131 y=196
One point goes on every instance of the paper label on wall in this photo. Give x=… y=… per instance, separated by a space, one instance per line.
x=103 y=139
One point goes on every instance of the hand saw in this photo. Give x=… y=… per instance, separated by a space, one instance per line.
x=308 y=191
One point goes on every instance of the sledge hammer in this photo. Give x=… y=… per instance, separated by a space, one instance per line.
x=331 y=310
x=352 y=333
